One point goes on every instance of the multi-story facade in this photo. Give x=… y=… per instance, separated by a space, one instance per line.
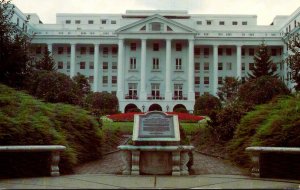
x=158 y=59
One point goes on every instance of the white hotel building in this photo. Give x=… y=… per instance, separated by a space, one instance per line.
x=158 y=59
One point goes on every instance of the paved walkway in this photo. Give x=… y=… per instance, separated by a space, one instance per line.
x=107 y=181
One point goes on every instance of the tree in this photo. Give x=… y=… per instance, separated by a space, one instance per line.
x=15 y=62
x=228 y=91
x=293 y=60
x=263 y=64
x=82 y=84
x=206 y=104
x=47 y=63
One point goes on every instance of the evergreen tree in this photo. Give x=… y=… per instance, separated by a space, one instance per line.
x=228 y=91
x=263 y=64
x=15 y=62
x=293 y=60
x=47 y=63
x=82 y=84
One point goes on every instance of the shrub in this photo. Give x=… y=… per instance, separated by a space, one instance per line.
x=102 y=103
x=180 y=110
x=206 y=104
x=136 y=110
x=27 y=121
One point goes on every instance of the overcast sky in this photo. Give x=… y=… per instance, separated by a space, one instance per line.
x=265 y=10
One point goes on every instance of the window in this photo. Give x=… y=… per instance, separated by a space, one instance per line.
x=221 y=23
x=155 y=91
x=91 y=22
x=82 y=65
x=104 y=79
x=243 y=66
x=82 y=50
x=243 y=51
x=132 y=90
x=206 y=66
x=155 y=46
x=91 y=79
x=105 y=66
x=114 y=50
x=244 y=23
x=273 y=52
x=91 y=65
x=220 y=80
x=92 y=50
x=133 y=46
x=169 y=28
x=206 y=51
x=103 y=21
x=220 y=66
x=251 y=66
x=143 y=28
x=251 y=51
x=60 y=50
x=60 y=65
x=132 y=63
x=68 y=65
x=197 y=95
x=105 y=50
x=68 y=50
x=114 y=66
x=156 y=26
x=243 y=79
x=178 y=47
x=220 y=51
x=113 y=22
x=68 y=21
x=199 y=22
x=208 y=22
x=197 y=66
x=228 y=51
x=206 y=80
x=18 y=20
x=197 y=51
x=197 y=80
x=114 y=80
x=77 y=21
x=234 y=23
x=155 y=64
x=228 y=66
x=178 y=64
x=178 y=91
x=38 y=50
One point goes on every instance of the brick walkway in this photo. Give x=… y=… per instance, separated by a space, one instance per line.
x=112 y=164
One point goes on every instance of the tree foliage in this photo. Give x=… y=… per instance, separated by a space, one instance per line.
x=206 y=104
x=263 y=64
x=82 y=84
x=293 y=59
x=228 y=91
x=47 y=63
x=15 y=62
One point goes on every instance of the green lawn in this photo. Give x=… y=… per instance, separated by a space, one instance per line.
x=126 y=127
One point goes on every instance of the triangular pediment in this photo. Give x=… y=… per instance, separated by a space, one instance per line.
x=156 y=78
x=178 y=79
x=132 y=78
x=156 y=24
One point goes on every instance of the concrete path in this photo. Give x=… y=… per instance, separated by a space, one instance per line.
x=106 y=181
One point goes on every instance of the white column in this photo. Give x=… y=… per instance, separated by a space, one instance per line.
x=96 y=68
x=72 y=64
x=50 y=48
x=168 y=93
x=191 y=92
x=143 y=93
x=120 y=91
x=215 y=71
x=238 y=61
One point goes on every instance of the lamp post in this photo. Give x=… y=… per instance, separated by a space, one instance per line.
x=143 y=107
x=167 y=108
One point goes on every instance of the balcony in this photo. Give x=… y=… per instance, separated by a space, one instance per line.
x=131 y=97
x=149 y=97
x=179 y=98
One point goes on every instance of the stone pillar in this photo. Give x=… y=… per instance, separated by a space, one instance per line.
x=54 y=169
x=73 y=64
x=143 y=93
x=96 y=68
x=135 y=163
x=255 y=171
x=238 y=61
x=191 y=88
x=126 y=158
x=168 y=93
x=184 y=159
x=215 y=71
x=176 y=163
x=49 y=47
x=120 y=90
x=285 y=66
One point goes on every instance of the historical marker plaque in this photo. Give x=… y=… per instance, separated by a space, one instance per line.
x=156 y=126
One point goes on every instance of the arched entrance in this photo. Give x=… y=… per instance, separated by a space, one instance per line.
x=179 y=108
x=155 y=107
x=131 y=108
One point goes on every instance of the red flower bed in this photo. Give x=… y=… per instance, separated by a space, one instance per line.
x=185 y=117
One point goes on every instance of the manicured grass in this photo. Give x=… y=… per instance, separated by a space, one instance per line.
x=126 y=127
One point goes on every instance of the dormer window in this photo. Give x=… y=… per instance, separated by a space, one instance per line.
x=169 y=28
x=143 y=28
x=156 y=26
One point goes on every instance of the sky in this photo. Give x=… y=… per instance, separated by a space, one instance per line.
x=265 y=10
